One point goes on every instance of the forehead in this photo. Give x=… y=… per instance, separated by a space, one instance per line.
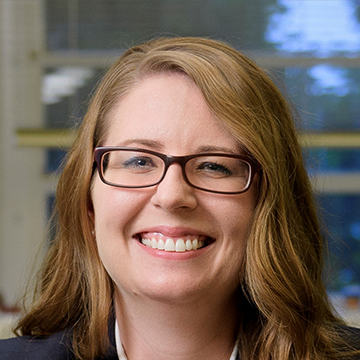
x=166 y=108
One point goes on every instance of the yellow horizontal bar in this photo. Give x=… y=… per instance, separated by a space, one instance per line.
x=53 y=138
x=341 y=140
x=63 y=138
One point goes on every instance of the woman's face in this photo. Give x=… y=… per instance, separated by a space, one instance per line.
x=168 y=114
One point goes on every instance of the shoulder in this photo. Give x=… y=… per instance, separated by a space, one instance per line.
x=55 y=347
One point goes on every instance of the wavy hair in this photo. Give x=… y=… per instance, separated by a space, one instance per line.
x=286 y=313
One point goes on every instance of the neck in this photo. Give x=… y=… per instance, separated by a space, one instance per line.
x=152 y=329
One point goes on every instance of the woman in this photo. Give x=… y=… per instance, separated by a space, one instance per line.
x=187 y=228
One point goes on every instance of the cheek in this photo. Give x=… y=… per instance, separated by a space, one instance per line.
x=235 y=214
x=239 y=222
x=236 y=222
x=114 y=210
x=236 y=227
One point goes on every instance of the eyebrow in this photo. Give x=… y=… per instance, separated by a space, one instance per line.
x=158 y=146
x=212 y=149
x=152 y=144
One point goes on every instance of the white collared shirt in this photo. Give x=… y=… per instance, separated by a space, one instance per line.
x=122 y=355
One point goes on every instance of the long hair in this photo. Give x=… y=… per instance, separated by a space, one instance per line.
x=286 y=313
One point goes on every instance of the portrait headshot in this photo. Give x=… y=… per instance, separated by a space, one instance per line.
x=186 y=222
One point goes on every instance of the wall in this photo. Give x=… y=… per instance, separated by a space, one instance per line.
x=22 y=190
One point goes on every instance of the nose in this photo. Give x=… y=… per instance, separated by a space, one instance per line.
x=173 y=192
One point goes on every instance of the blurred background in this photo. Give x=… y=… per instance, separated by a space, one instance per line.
x=53 y=52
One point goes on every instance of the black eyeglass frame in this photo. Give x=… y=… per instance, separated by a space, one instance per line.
x=169 y=160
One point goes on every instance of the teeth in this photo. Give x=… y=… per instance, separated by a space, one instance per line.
x=189 y=245
x=154 y=244
x=169 y=245
x=161 y=244
x=179 y=245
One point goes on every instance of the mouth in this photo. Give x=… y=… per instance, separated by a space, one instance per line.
x=186 y=243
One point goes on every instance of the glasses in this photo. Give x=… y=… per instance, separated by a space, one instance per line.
x=138 y=168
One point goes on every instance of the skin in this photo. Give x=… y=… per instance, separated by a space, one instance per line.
x=161 y=295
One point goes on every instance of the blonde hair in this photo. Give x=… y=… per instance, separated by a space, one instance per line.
x=286 y=314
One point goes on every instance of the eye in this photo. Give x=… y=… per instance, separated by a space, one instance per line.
x=214 y=169
x=142 y=163
x=219 y=167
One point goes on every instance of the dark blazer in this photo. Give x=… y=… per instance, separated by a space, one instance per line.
x=58 y=346
x=55 y=347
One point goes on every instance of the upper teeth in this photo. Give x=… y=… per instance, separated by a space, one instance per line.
x=170 y=244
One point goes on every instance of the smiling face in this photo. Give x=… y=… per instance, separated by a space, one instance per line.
x=167 y=113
